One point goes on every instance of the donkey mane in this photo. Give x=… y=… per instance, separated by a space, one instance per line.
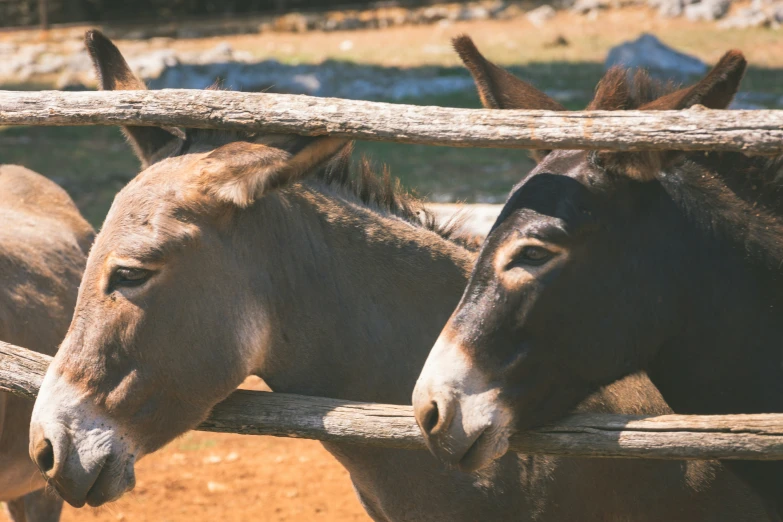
x=385 y=193
x=359 y=181
x=733 y=197
x=729 y=195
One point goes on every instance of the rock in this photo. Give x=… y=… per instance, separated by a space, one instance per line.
x=152 y=64
x=49 y=64
x=662 y=61
x=707 y=10
x=512 y=11
x=8 y=47
x=212 y=459
x=587 y=6
x=670 y=8
x=475 y=12
x=216 y=487
x=540 y=15
x=231 y=457
x=432 y=14
x=745 y=18
x=222 y=52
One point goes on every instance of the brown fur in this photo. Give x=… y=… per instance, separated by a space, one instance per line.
x=714 y=91
x=499 y=89
x=43 y=248
x=634 y=213
x=149 y=143
x=321 y=287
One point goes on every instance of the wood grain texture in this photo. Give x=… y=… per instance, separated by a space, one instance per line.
x=757 y=131
x=757 y=437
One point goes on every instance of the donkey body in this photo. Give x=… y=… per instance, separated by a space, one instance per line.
x=43 y=249
x=320 y=283
x=602 y=264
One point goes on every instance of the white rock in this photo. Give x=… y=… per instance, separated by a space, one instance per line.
x=707 y=10
x=540 y=15
x=216 y=487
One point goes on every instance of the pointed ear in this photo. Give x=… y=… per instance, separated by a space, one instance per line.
x=241 y=172
x=150 y=144
x=612 y=92
x=715 y=91
x=498 y=88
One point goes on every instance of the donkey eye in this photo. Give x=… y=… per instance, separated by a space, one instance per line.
x=128 y=277
x=533 y=255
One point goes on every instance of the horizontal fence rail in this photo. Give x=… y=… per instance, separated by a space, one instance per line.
x=757 y=437
x=756 y=131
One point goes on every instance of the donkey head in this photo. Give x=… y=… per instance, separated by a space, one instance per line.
x=161 y=294
x=576 y=284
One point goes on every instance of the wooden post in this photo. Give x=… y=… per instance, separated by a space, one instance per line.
x=757 y=437
x=756 y=131
x=43 y=14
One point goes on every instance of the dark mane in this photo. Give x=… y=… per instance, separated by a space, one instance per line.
x=624 y=89
x=385 y=193
x=381 y=192
x=729 y=195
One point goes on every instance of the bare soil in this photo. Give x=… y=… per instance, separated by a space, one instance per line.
x=226 y=477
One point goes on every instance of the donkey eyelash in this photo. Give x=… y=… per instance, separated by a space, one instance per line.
x=128 y=277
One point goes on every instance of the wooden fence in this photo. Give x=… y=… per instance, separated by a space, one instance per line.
x=758 y=437
x=757 y=131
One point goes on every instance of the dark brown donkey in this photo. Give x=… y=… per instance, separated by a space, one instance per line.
x=602 y=264
x=43 y=248
x=231 y=255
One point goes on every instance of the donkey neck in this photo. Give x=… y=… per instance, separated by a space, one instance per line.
x=356 y=297
x=726 y=356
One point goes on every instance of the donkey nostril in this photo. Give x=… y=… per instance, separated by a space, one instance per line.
x=431 y=418
x=44 y=456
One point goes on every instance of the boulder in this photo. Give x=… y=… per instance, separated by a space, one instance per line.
x=541 y=15
x=588 y=6
x=649 y=53
x=152 y=64
x=707 y=10
x=746 y=17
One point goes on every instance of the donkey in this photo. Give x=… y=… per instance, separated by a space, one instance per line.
x=43 y=249
x=321 y=282
x=602 y=264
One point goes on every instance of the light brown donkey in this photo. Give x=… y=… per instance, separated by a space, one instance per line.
x=233 y=255
x=43 y=249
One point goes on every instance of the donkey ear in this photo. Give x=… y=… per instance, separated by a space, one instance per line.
x=497 y=88
x=612 y=92
x=715 y=91
x=241 y=172
x=150 y=143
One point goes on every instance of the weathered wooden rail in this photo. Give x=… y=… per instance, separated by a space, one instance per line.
x=757 y=131
x=758 y=437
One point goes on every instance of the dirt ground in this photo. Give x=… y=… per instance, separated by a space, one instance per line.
x=226 y=477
